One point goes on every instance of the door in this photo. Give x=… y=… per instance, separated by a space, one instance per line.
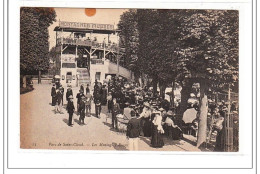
x=68 y=77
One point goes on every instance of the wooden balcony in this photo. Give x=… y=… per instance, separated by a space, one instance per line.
x=88 y=43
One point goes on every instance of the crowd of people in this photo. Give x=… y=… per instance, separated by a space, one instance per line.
x=141 y=111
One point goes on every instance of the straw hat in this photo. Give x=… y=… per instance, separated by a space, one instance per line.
x=169 y=113
x=147 y=104
x=161 y=109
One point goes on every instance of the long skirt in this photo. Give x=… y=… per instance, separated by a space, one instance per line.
x=219 y=147
x=146 y=127
x=157 y=139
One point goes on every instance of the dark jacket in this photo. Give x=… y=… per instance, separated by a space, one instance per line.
x=87 y=90
x=115 y=108
x=79 y=95
x=68 y=93
x=70 y=107
x=133 y=128
x=53 y=92
x=82 y=108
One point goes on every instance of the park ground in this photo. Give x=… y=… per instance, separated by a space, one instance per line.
x=41 y=128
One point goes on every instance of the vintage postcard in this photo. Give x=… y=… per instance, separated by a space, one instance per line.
x=129 y=79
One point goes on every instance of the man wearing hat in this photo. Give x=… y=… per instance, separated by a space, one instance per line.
x=97 y=107
x=70 y=109
x=89 y=99
x=53 y=95
x=133 y=131
x=62 y=92
x=82 y=110
x=79 y=96
x=115 y=111
x=69 y=93
x=109 y=102
x=59 y=99
x=82 y=88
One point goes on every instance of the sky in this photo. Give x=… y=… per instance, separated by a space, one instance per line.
x=102 y=16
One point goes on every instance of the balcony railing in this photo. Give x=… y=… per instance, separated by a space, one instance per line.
x=87 y=42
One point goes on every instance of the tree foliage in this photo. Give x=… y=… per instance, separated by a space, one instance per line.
x=34 y=45
x=129 y=39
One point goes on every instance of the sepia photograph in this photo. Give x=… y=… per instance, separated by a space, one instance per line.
x=129 y=79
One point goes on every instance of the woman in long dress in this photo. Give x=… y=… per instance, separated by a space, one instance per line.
x=157 y=131
x=145 y=117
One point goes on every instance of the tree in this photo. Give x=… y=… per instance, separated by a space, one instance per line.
x=34 y=39
x=129 y=39
x=210 y=41
x=189 y=46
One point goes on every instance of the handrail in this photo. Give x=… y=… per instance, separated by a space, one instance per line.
x=88 y=42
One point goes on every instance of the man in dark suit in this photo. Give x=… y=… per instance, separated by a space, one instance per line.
x=70 y=109
x=53 y=95
x=115 y=111
x=82 y=110
x=87 y=89
x=98 y=107
x=79 y=96
x=133 y=131
x=62 y=92
x=69 y=93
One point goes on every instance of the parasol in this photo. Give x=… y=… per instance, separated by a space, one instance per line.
x=189 y=115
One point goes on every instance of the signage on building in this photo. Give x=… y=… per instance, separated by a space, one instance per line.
x=68 y=58
x=90 y=26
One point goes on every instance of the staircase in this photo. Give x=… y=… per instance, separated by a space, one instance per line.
x=83 y=77
x=122 y=71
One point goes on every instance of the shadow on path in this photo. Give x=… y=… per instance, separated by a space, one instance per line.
x=189 y=141
x=146 y=140
x=65 y=120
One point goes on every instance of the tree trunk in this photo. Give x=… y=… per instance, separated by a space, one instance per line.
x=162 y=87
x=185 y=94
x=155 y=81
x=202 y=129
x=39 y=77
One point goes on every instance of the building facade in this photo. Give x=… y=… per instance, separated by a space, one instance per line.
x=82 y=58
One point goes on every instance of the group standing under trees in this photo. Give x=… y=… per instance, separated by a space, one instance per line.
x=183 y=46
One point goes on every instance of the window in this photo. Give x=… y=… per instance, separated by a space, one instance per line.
x=98 y=74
